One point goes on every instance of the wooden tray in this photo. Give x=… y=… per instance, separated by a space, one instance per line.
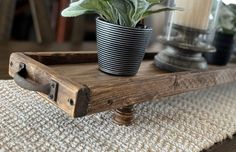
x=72 y=81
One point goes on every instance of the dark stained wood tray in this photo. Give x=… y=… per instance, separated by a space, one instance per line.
x=72 y=81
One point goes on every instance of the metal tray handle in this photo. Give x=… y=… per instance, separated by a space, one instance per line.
x=20 y=79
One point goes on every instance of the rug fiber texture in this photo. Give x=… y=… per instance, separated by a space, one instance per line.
x=189 y=122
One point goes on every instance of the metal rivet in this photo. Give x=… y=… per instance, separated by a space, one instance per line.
x=51 y=96
x=71 y=102
x=52 y=85
x=109 y=102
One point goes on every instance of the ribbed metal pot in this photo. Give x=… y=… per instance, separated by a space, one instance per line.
x=120 y=49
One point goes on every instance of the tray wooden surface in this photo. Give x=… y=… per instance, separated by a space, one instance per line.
x=83 y=89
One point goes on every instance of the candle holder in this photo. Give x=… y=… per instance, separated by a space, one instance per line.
x=184 y=50
x=186 y=36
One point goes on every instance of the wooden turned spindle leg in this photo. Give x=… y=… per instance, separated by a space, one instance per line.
x=124 y=115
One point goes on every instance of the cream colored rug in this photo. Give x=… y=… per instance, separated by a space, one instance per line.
x=189 y=122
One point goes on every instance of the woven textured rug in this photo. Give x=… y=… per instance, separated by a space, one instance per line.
x=189 y=122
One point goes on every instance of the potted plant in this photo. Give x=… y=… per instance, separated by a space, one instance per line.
x=121 y=39
x=224 y=36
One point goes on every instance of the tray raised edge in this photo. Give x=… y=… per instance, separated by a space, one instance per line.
x=137 y=90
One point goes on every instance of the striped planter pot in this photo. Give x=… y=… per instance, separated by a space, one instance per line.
x=120 y=49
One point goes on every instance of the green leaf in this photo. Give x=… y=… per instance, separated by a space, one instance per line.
x=74 y=10
x=150 y=12
x=227 y=19
x=140 y=9
x=80 y=7
x=130 y=11
x=154 y=2
x=123 y=12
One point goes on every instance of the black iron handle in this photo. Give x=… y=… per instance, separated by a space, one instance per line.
x=20 y=80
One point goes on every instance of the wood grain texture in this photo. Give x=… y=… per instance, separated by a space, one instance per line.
x=108 y=92
x=41 y=74
x=123 y=116
x=58 y=58
x=12 y=46
x=164 y=83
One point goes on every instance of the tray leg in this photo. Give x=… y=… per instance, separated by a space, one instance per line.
x=124 y=116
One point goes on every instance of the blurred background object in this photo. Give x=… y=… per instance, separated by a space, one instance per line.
x=187 y=37
x=227 y=2
x=29 y=17
x=36 y=25
x=224 y=36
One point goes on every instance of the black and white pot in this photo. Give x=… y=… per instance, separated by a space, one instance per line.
x=121 y=49
x=224 y=44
